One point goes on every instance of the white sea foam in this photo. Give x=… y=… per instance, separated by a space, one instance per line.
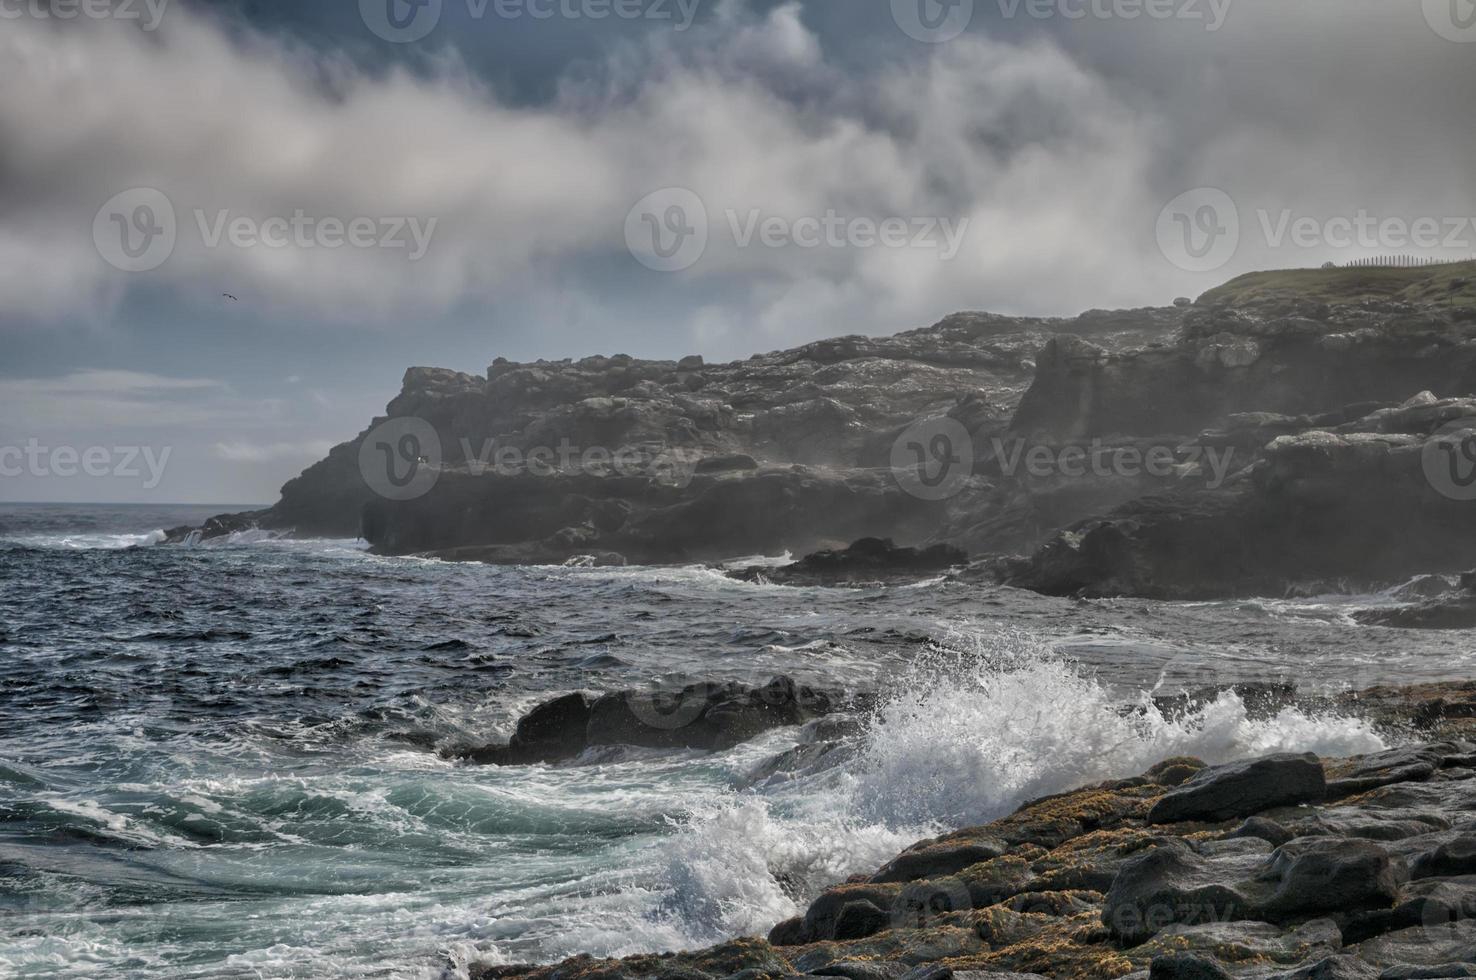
x=965 y=738
x=971 y=736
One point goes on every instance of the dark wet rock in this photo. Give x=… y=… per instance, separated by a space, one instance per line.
x=861 y=970
x=1262 y=828
x=1423 y=946
x=1318 y=875
x=1244 y=941
x=934 y=859
x=1428 y=903
x=1081 y=885
x=1385 y=768
x=938 y=972
x=707 y=715
x=1179 y=882
x=554 y=729
x=1454 y=857
x=1332 y=968
x=790 y=932
x=868 y=561
x=859 y=919
x=1242 y=789
x=1186 y=966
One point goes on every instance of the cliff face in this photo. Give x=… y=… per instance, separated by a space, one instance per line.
x=1284 y=356
x=1201 y=450
x=619 y=458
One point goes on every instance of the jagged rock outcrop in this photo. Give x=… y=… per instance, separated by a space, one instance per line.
x=1370 y=874
x=1365 y=502
x=1287 y=357
x=617 y=458
x=1372 y=878
x=1195 y=451
x=869 y=561
x=704 y=715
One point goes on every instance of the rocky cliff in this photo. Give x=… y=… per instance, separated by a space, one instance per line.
x=1276 y=434
x=621 y=459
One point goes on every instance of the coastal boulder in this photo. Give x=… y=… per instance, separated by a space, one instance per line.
x=1180 y=882
x=1243 y=789
x=1325 y=874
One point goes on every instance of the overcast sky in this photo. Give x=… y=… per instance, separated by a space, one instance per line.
x=227 y=229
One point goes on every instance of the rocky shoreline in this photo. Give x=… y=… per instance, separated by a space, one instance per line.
x=1289 y=866
x=1258 y=441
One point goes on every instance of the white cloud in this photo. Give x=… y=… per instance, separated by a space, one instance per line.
x=105 y=399
x=1059 y=157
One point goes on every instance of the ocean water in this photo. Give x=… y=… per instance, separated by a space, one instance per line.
x=221 y=761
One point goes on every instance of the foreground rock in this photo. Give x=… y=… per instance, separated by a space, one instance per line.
x=708 y=715
x=870 y=561
x=1288 y=867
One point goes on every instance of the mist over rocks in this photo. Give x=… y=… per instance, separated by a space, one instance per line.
x=788 y=451
x=1277 y=435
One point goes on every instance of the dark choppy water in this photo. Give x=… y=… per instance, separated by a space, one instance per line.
x=220 y=761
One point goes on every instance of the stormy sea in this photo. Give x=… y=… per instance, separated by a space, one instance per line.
x=232 y=759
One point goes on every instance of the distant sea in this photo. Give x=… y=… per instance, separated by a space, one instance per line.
x=221 y=761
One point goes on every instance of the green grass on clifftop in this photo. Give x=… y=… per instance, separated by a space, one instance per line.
x=1453 y=285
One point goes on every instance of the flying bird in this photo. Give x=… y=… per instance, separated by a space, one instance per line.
x=230 y=297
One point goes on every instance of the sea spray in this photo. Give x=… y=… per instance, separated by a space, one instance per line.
x=995 y=718
x=987 y=720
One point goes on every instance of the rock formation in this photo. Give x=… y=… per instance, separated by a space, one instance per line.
x=1272 y=436
x=1287 y=867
